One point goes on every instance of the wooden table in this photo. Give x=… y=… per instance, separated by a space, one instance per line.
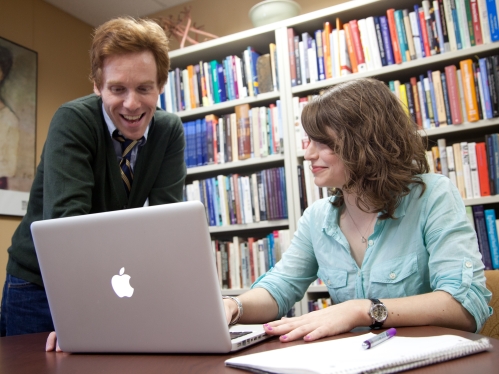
x=25 y=354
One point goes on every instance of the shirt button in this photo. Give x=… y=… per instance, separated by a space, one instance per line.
x=328 y=282
x=468 y=264
x=378 y=223
x=393 y=275
x=371 y=242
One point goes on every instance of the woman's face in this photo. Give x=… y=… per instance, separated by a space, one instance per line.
x=327 y=168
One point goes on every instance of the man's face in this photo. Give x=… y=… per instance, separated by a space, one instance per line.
x=130 y=91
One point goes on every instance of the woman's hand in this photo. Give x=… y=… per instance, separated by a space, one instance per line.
x=230 y=309
x=330 y=321
x=52 y=343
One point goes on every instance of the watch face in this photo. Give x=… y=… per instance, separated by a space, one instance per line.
x=379 y=312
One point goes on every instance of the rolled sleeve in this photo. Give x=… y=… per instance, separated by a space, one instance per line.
x=288 y=281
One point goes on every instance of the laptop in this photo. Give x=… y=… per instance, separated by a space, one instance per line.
x=139 y=280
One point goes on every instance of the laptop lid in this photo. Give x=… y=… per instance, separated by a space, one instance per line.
x=136 y=280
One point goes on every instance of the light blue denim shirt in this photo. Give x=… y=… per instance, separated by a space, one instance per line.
x=430 y=246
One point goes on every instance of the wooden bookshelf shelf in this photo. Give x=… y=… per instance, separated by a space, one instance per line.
x=236 y=165
x=249 y=226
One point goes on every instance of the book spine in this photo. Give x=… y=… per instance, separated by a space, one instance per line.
x=451 y=164
x=482 y=235
x=475 y=16
x=485 y=87
x=424 y=33
x=450 y=24
x=409 y=35
x=422 y=104
x=493 y=85
x=439 y=27
x=366 y=46
x=448 y=115
x=439 y=97
x=292 y=60
x=379 y=38
x=475 y=180
x=433 y=99
x=350 y=47
x=320 y=55
x=417 y=106
x=469 y=22
x=373 y=43
x=458 y=160
x=390 y=15
x=489 y=147
x=469 y=90
x=467 y=170
x=490 y=222
x=326 y=31
x=387 y=42
x=402 y=37
x=483 y=171
x=359 y=51
x=415 y=35
x=445 y=29
x=453 y=91
x=463 y=23
x=484 y=21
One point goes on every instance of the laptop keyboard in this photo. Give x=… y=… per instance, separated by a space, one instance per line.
x=237 y=334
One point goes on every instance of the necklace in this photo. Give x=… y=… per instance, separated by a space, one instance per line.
x=364 y=240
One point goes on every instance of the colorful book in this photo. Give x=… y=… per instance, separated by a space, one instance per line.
x=482 y=235
x=390 y=15
x=387 y=42
x=490 y=221
x=469 y=90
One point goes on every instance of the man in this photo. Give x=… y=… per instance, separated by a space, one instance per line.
x=107 y=151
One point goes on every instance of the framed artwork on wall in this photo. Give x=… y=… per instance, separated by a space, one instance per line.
x=18 y=88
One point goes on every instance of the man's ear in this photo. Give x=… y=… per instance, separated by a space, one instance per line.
x=96 y=90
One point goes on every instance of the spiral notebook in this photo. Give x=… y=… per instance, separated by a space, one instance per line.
x=347 y=356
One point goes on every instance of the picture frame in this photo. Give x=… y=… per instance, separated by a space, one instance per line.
x=18 y=101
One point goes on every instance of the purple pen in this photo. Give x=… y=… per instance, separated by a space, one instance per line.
x=380 y=338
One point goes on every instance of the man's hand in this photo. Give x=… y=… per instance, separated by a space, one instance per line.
x=52 y=343
x=330 y=321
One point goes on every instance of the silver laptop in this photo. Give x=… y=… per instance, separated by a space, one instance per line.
x=136 y=280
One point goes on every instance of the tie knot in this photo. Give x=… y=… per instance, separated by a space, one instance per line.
x=126 y=144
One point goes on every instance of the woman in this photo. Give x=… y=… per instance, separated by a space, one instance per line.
x=394 y=245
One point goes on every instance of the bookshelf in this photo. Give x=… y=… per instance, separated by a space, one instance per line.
x=259 y=38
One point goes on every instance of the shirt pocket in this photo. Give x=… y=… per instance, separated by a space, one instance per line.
x=336 y=282
x=395 y=278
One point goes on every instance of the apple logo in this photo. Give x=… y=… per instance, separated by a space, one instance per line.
x=121 y=284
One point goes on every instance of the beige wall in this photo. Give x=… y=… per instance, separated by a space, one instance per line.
x=225 y=17
x=62 y=43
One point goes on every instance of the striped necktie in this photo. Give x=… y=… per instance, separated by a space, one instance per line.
x=125 y=165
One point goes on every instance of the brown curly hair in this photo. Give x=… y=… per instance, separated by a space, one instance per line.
x=375 y=138
x=124 y=35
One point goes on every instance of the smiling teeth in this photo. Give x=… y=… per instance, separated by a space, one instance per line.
x=131 y=118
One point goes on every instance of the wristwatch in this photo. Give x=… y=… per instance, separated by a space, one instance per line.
x=378 y=313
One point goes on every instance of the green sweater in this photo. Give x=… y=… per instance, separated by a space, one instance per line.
x=79 y=174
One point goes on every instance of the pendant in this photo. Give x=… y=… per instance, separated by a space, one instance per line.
x=364 y=240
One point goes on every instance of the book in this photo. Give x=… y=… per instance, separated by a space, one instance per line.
x=264 y=73
x=357 y=44
x=451 y=165
x=477 y=27
x=482 y=235
x=453 y=91
x=346 y=355
x=402 y=36
x=450 y=25
x=390 y=15
x=469 y=90
x=320 y=57
x=458 y=161
x=490 y=222
x=292 y=59
x=387 y=42
x=243 y=131
x=475 y=180
x=483 y=171
x=350 y=47
x=409 y=34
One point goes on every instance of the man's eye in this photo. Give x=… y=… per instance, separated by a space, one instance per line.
x=116 y=89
